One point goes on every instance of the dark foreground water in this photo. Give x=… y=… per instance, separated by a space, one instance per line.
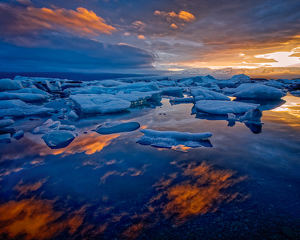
x=242 y=186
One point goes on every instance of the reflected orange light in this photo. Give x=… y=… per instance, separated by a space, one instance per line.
x=26 y=188
x=36 y=219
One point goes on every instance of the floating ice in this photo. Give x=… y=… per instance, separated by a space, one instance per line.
x=88 y=104
x=110 y=128
x=17 y=108
x=223 y=107
x=296 y=93
x=26 y=97
x=169 y=139
x=18 y=135
x=172 y=91
x=258 y=91
x=8 y=84
x=58 y=139
x=204 y=94
x=176 y=100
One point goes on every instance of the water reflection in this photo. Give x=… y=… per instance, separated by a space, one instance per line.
x=36 y=219
x=32 y=145
x=197 y=190
x=288 y=113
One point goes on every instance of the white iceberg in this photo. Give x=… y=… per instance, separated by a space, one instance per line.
x=224 y=107
x=18 y=108
x=168 y=139
x=88 y=104
x=26 y=97
x=117 y=127
x=8 y=84
x=58 y=139
x=258 y=92
x=204 y=94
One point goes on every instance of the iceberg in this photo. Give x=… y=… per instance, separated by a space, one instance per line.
x=177 y=100
x=58 y=139
x=110 y=128
x=18 y=108
x=169 y=139
x=172 y=91
x=26 y=97
x=258 y=92
x=204 y=94
x=89 y=104
x=295 y=93
x=18 y=135
x=224 y=107
x=8 y=84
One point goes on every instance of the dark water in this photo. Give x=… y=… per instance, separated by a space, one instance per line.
x=246 y=186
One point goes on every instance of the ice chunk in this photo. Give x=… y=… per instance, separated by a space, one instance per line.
x=240 y=78
x=204 y=94
x=111 y=83
x=253 y=115
x=67 y=127
x=99 y=104
x=18 y=135
x=259 y=92
x=224 y=107
x=296 y=93
x=58 y=139
x=140 y=98
x=5 y=138
x=166 y=83
x=177 y=100
x=72 y=115
x=172 y=91
x=8 y=84
x=26 y=97
x=6 y=122
x=170 y=139
x=110 y=128
x=17 y=108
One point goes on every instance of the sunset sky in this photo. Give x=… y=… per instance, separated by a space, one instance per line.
x=132 y=35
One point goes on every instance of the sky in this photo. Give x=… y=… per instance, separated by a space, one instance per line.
x=145 y=35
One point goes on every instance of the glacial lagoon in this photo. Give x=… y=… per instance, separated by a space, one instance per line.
x=240 y=183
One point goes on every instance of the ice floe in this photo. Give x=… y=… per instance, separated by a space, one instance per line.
x=205 y=94
x=18 y=108
x=58 y=138
x=8 y=84
x=258 y=91
x=169 y=139
x=224 y=107
x=88 y=104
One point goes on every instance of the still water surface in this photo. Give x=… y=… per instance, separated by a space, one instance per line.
x=240 y=186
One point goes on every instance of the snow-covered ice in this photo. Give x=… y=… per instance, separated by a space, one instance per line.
x=58 y=138
x=88 y=104
x=258 y=92
x=224 y=107
x=205 y=94
x=168 y=139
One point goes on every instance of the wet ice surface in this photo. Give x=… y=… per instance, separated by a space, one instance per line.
x=241 y=185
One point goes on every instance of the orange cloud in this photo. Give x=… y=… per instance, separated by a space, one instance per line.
x=28 y=19
x=182 y=15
